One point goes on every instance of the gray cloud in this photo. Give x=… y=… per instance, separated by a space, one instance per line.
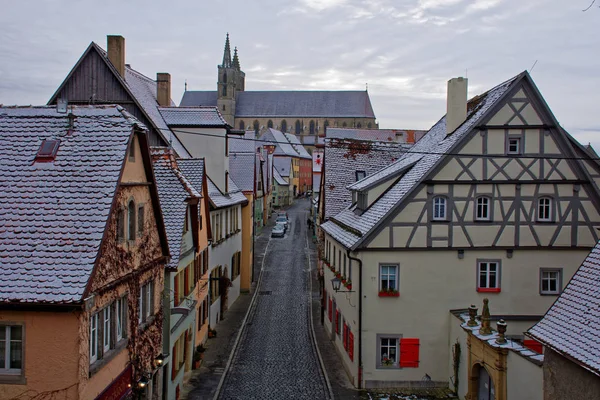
x=405 y=50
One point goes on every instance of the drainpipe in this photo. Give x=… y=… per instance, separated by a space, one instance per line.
x=360 y=363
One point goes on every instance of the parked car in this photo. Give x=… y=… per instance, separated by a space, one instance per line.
x=282 y=220
x=278 y=230
x=282 y=214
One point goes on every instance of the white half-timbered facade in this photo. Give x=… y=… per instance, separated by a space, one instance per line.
x=496 y=201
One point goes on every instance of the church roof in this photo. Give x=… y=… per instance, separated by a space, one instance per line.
x=291 y=103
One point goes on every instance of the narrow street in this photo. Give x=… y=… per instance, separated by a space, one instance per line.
x=276 y=356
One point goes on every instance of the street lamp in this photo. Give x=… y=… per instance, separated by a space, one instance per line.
x=159 y=360
x=336 y=283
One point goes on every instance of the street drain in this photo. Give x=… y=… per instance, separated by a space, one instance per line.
x=264 y=292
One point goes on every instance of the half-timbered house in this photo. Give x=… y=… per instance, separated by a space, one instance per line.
x=83 y=252
x=496 y=200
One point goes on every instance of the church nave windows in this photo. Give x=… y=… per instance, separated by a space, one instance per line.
x=284 y=126
x=270 y=124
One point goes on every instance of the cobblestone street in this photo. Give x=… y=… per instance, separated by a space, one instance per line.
x=276 y=357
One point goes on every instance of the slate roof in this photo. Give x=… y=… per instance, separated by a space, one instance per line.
x=341 y=165
x=193 y=170
x=297 y=145
x=173 y=191
x=282 y=165
x=279 y=179
x=244 y=144
x=241 y=170
x=382 y=135
x=571 y=326
x=220 y=199
x=350 y=228
x=192 y=116
x=283 y=147
x=318 y=103
x=53 y=214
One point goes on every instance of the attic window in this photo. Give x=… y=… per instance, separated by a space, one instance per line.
x=360 y=175
x=47 y=150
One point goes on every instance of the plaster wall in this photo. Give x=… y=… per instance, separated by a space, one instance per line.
x=134 y=170
x=564 y=379
x=458 y=335
x=524 y=379
x=247 y=248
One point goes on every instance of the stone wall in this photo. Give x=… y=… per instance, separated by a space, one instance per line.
x=563 y=379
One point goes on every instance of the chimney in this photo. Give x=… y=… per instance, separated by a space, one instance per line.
x=116 y=52
x=456 y=112
x=163 y=89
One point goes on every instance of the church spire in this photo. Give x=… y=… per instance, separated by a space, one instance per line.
x=236 y=60
x=227 y=54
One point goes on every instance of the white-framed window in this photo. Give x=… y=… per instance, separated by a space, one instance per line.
x=388 y=277
x=93 y=338
x=514 y=145
x=106 y=331
x=120 y=310
x=488 y=276
x=388 y=350
x=550 y=280
x=360 y=175
x=544 y=209
x=11 y=349
x=146 y=301
x=483 y=209
x=439 y=208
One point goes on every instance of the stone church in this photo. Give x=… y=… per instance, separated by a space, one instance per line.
x=304 y=113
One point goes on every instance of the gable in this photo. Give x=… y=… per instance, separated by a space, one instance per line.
x=134 y=170
x=517 y=110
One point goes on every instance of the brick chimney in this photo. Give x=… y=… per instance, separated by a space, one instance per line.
x=163 y=89
x=456 y=108
x=116 y=52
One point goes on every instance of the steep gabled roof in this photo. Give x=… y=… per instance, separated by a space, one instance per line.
x=381 y=135
x=280 y=103
x=352 y=229
x=54 y=214
x=174 y=191
x=279 y=179
x=241 y=170
x=298 y=147
x=282 y=165
x=193 y=116
x=571 y=327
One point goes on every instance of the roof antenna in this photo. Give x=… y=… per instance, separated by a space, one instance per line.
x=367 y=87
x=185 y=86
x=531 y=69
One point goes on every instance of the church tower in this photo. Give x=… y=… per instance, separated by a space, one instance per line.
x=230 y=80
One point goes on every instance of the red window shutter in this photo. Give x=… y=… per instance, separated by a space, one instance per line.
x=337 y=321
x=409 y=353
x=330 y=310
x=176 y=289
x=350 y=345
x=533 y=345
x=185 y=347
x=174 y=363
x=344 y=337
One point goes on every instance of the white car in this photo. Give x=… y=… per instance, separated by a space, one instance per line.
x=278 y=230
x=282 y=220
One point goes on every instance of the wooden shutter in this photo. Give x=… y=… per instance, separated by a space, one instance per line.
x=186 y=281
x=330 y=310
x=350 y=345
x=409 y=353
x=176 y=289
x=337 y=321
x=344 y=337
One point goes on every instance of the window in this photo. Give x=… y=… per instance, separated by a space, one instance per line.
x=106 y=329
x=488 y=276
x=93 y=338
x=439 y=208
x=388 y=349
x=362 y=202
x=224 y=89
x=344 y=273
x=312 y=127
x=359 y=125
x=224 y=77
x=120 y=311
x=514 y=145
x=344 y=125
x=242 y=125
x=394 y=351
x=140 y=220
x=131 y=220
x=388 y=278
x=256 y=127
x=11 y=349
x=360 y=175
x=482 y=212
x=227 y=227
x=120 y=225
x=283 y=126
x=338 y=321
x=47 y=151
x=132 y=150
x=550 y=281
x=270 y=124
x=544 y=211
x=369 y=125
x=298 y=129
x=146 y=301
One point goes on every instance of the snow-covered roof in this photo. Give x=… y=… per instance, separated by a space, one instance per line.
x=220 y=199
x=343 y=157
x=282 y=165
x=380 y=135
x=241 y=170
x=279 y=179
x=349 y=228
x=282 y=145
x=192 y=116
x=571 y=326
x=193 y=170
x=245 y=143
x=53 y=214
x=173 y=191
x=298 y=147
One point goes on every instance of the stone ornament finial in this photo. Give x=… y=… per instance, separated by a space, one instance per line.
x=472 y=315
x=485 y=319
x=501 y=326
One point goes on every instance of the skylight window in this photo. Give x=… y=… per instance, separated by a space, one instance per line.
x=47 y=150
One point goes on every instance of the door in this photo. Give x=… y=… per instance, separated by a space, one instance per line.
x=486 y=386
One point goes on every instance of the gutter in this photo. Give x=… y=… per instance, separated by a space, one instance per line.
x=360 y=363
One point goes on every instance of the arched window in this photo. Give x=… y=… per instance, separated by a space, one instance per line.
x=439 y=208
x=270 y=124
x=359 y=125
x=298 y=129
x=483 y=209
x=223 y=107
x=544 y=211
x=242 y=125
x=121 y=224
x=256 y=126
x=284 y=126
x=312 y=127
x=224 y=77
x=131 y=220
x=325 y=125
x=369 y=125
x=344 y=125
x=224 y=90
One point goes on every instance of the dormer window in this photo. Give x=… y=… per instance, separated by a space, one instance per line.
x=360 y=175
x=47 y=150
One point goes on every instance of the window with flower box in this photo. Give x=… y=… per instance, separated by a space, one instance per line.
x=394 y=351
x=388 y=280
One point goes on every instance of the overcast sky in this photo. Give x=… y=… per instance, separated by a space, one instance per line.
x=405 y=50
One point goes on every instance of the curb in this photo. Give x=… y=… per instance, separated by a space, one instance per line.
x=243 y=327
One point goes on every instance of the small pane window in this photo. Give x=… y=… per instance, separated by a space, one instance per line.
x=388 y=348
x=256 y=127
x=488 y=276
x=483 y=208
x=131 y=220
x=550 y=281
x=514 y=146
x=140 y=220
x=388 y=277
x=439 y=208
x=106 y=330
x=120 y=309
x=360 y=175
x=120 y=225
x=544 y=212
